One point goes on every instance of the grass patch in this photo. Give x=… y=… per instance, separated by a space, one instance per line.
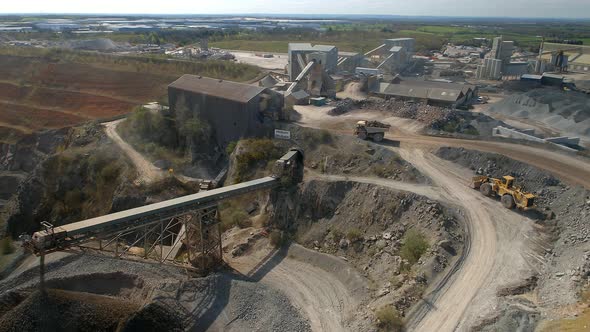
x=81 y=184
x=229 y=149
x=232 y=215
x=157 y=65
x=415 y=245
x=389 y=319
x=313 y=138
x=153 y=135
x=354 y=235
x=277 y=238
x=7 y=246
x=575 y=324
x=254 y=152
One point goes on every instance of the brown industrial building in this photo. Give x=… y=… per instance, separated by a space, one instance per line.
x=233 y=110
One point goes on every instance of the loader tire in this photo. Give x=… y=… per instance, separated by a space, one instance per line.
x=486 y=189
x=508 y=201
x=377 y=137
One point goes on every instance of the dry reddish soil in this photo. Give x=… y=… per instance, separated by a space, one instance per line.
x=28 y=117
x=85 y=105
x=37 y=94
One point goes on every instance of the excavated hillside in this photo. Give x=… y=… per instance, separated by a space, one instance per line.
x=401 y=242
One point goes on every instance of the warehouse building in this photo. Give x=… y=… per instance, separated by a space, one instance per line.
x=430 y=92
x=233 y=110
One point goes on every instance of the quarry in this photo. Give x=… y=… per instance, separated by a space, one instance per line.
x=311 y=190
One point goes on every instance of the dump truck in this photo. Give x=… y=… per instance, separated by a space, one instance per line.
x=510 y=195
x=374 y=130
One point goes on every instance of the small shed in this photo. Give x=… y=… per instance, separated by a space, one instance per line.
x=552 y=79
x=319 y=101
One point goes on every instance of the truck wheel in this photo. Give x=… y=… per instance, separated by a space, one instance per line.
x=377 y=137
x=508 y=201
x=362 y=135
x=486 y=189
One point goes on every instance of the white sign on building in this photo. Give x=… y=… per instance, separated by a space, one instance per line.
x=282 y=134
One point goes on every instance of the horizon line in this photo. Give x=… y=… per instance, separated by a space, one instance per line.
x=297 y=14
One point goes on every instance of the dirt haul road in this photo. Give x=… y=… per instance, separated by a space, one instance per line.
x=148 y=173
x=496 y=255
x=324 y=300
x=569 y=168
x=320 y=295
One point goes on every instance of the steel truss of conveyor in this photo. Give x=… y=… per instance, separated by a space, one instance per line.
x=157 y=231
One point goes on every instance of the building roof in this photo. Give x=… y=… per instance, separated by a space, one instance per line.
x=268 y=81
x=307 y=47
x=439 y=91
x=444 y=94
x=218 y=88
x=405 y=91
x=553 y=76
x=439 y=85
x=395 y=49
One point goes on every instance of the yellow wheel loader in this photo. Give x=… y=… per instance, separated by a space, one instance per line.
x=511 y=196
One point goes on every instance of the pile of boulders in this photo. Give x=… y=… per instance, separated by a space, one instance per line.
x=343 y=106
x=430 y=115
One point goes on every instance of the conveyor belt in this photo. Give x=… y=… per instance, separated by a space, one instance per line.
x=304 y=72
x=181 y=203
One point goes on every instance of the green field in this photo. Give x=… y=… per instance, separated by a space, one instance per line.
x=361 y=37
x=356 y=36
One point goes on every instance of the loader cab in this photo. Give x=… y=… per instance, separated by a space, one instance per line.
x=508 y=181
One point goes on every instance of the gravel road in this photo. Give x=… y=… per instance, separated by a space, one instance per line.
x=148 y=173
x=328 y=296
x=497 y=253
x=568 y=167
x=420 y=189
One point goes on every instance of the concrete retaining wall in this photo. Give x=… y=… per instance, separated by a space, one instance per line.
x=564 y=140
x=526 y=134
x=511 y=133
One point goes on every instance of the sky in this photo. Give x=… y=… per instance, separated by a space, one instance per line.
x=473 y=8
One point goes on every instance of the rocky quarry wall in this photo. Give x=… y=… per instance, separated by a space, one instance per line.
x=366 y=225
